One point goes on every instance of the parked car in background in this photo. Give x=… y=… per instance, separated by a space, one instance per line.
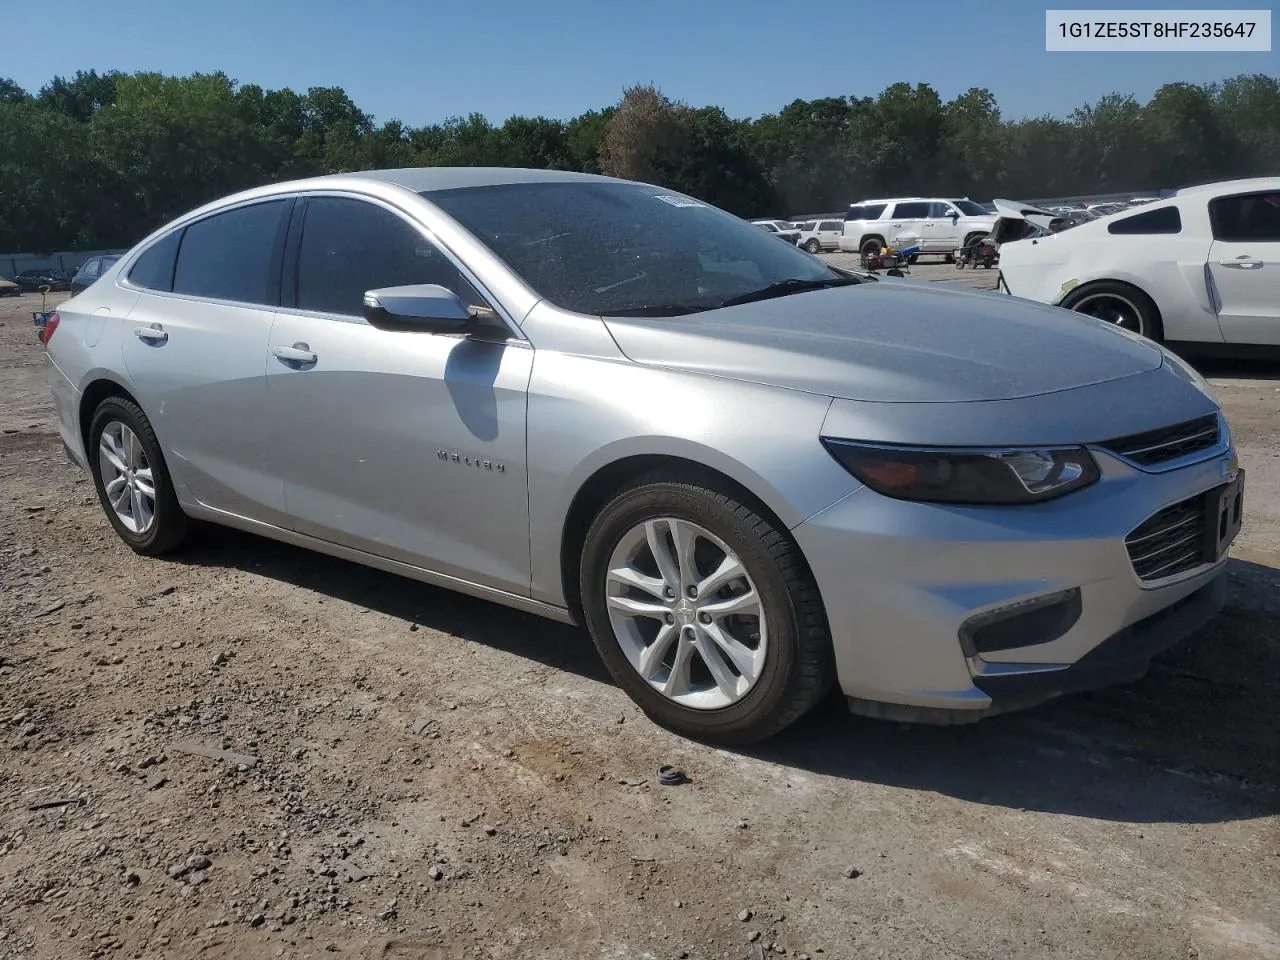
x=819 y=235
x=938 y=225
x=10 y=288
x=752 y=476
x=90 y=271
x=1201 y=267
x=1106 y=209
x=782 y=229
x=37 y=277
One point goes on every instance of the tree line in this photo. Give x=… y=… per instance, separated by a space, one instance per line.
x=99 y=160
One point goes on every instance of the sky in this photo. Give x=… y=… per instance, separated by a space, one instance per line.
x=422 y=62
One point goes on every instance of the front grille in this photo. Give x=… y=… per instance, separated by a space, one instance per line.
x=1155 y=447
x=1169 y=542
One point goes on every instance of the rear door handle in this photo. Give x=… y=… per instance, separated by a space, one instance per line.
x=1242 y=264
x=298 y=353
x=152 y=334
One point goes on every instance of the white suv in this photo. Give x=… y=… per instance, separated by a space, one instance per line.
x=819 y=235
x=938 y=225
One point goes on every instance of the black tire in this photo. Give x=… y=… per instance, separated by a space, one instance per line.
x=171 y=526
x=812 y=245
x=871 y=246
x=799 y=666
x=911 y=260
x=972 y=238
x=948 y=258
x=1093 y=297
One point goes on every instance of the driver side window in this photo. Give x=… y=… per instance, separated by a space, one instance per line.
x=350 y=246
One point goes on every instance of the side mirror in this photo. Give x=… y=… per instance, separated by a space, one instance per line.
x=427 y=308
x=954 y=214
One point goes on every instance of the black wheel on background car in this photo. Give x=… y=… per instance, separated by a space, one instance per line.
x=704 y=610
x=911 y=260
x=871 y=247
x=132 y=480
x=1119 y=303
x=812 y=245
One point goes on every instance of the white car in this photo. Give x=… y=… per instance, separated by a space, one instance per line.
x=783 y=229
x=819 y=235
x=1201 y=267
x=938 y=225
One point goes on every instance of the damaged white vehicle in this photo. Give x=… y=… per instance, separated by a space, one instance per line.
x=1200 y=268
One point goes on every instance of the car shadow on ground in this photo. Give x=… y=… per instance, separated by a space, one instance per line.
x=1194 y=741
x=1244 y=369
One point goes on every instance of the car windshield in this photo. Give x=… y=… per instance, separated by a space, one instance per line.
x=970 y=209
x=609 y=248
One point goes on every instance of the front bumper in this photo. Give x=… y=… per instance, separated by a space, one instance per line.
x=902 y=581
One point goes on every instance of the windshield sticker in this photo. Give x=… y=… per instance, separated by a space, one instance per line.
x=677 y=201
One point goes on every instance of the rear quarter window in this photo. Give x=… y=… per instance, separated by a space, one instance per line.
x=1164 y=221
x=154 y=269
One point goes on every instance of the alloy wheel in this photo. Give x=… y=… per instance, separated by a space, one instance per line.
x=686 y=613
x=1113 y=308
x=126 y=477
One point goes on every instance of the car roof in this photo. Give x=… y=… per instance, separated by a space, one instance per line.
x=419 y=179
x=1232 y=186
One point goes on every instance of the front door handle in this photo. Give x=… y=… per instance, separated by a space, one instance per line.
x=298 y=353
x=1244 y=263
x=152 y=334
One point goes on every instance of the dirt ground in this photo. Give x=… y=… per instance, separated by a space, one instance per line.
x=414 y=774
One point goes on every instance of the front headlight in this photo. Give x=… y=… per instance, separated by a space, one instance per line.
x=964 y=475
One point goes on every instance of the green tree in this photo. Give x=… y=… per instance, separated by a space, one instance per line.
x=83 y=95
x=10 y=92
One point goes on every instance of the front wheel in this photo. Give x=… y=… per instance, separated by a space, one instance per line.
x=132 y=480
x=704 y=611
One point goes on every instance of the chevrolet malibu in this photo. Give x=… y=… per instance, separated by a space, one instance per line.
x=751 y=476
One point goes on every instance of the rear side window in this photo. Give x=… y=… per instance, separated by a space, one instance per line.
x=350 y=246
x=911 y=211
x=1165 y=220
x=807 y=225
x=829 y=225
x=856 y=213
x=873 y=211
x=154 y=269
x=231 y=256
x=1246 y=218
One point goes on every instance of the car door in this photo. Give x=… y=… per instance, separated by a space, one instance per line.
x=829 y=233
x=942 y=233
x=1244 y=266
x=195 y=347
x=908 y=223
x=404 y=444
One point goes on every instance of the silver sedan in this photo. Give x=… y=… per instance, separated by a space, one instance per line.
x=751 y=476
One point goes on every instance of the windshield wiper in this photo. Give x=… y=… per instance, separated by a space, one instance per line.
x=656 y=310
x=787 y=287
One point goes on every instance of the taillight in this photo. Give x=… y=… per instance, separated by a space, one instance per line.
x=50 y=325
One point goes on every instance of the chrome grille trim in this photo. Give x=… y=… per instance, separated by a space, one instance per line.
x=1169 y=447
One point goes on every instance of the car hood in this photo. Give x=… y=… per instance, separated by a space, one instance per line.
x=892 y=342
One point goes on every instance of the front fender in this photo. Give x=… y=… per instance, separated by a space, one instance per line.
x=586 y=414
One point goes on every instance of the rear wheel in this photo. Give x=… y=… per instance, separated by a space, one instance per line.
x=812 y=245
x=704 y=611
x=1120 y=304
x=131 y=479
